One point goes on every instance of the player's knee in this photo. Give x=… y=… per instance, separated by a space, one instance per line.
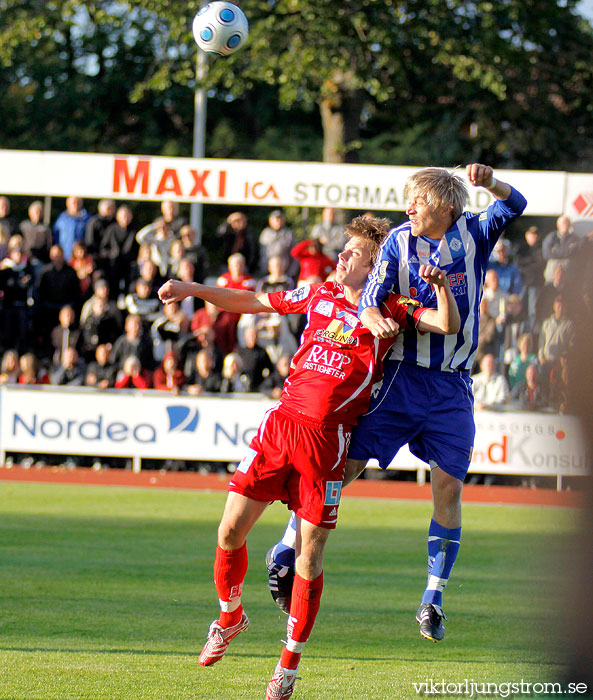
x=309 y=565
x=230 y=536
x=354 y=467
x=446 y=489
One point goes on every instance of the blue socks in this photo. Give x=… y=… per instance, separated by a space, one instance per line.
x=443 y=546
x=284 y=552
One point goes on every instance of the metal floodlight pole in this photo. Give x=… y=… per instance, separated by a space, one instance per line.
x=199 y=146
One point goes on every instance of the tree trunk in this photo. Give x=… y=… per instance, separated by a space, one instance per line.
x=341 y=107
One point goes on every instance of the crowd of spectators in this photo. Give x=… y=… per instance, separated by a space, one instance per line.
x=79 y=305
x=536 y=298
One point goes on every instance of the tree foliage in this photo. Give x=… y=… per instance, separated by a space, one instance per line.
x=408 y=82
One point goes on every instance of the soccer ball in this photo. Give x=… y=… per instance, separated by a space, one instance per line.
x=220 y=28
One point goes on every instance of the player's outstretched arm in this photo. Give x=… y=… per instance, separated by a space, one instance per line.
x=483 y=176
x=445 y=318
x=240 y=301
x=378 y=325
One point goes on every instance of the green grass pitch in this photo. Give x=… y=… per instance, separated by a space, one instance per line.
x=107 y=594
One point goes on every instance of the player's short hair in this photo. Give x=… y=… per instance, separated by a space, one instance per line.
x=441 y=188
x=370 y=228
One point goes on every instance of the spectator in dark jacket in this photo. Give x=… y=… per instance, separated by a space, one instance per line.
x=530 y=395
x=256 y=361
x=37 y=236
x=238 y=238
x=204 y=378
x=71 y=371
x=97 y=225
x=119 y=250
x=101 y=372
x=133 y=342
x=58 y=286
x=531 y=263
x=65 y=335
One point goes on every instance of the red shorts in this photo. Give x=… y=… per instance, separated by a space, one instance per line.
x=298 y=462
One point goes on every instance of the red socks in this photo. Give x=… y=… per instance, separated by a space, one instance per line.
x=230 y=567
x=306 y=598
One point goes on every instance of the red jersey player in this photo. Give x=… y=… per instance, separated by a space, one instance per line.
x=299 y=452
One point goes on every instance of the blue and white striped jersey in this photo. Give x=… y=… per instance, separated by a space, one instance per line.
x=463 y=253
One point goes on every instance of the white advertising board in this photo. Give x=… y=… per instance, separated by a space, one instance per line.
x=522 y=443
x=127 y=424
x=245 y=182
x=151 y=424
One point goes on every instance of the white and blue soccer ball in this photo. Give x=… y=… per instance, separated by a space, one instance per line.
x=220 y=28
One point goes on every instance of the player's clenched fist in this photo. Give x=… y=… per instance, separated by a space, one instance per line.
x=173 y=290
x=433 y=275
x=479 y=175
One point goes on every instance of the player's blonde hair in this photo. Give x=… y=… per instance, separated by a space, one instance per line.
x=440 y=187
x=371 y=229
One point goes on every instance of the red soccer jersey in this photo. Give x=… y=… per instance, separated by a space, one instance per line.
x=333 y=371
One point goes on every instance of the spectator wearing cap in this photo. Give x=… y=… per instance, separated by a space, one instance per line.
x=509 y=277
x=237 y=237
x=276 y=239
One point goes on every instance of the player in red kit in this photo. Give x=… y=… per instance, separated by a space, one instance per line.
x=299 y=452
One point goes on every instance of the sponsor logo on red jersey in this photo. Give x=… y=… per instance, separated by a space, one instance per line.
x=338 y=332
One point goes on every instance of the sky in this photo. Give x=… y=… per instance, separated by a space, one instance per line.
x=586 y=9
